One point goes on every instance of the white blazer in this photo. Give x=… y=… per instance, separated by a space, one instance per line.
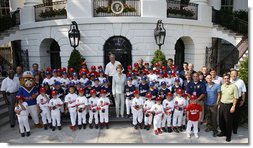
x=118 y=84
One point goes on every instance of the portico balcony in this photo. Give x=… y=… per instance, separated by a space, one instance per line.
x=178 y=9
x=105 y=8
x=50 y=11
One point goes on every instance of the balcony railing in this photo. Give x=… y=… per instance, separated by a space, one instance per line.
x=177 y=9
x=8 y=21
x=52 y=11
x=105 y=8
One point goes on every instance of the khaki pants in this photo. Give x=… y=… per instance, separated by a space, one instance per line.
x=119 y=104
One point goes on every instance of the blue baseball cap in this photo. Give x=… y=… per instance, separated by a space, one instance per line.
x=96 y=79
x=163 y=83
x=47 y=73
x=105 y=81
x=177 y=72
x=64 y=73
x=129 y=79
x=54 y=70
x=101 y=71
x=57 y=83
x=88 y=83
x=151 y=83
x=71 y=84
x=177 y=80
x=143 y=78
x=169 y=72
x=83 y=73
x=74 y=74
x=133 y=74
x=161 y=72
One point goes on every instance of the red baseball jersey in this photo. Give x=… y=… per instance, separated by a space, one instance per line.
x=194 y=111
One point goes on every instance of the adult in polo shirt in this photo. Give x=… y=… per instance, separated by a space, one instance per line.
x=211 y=104
x=216 y=79
x=199 y=89
x=241 y=94
x=110 y=68
x=229 y=97
x=9 y=88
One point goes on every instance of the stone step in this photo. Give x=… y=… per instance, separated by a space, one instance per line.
x=4 y=109
x=4 y=121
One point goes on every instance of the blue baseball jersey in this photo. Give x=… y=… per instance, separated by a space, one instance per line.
x=143 y=89
x=28 y=95
x=108 y=91
x=154 y=93
x=129 y=91
x=163 y=92
x=97 y=88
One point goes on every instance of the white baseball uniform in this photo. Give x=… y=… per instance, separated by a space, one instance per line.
x=168 y=107
x=93 y=105
x=42 y=101
x=137 y=113
x=179 y=105
x=71 y=100
x=23 y=118
x=82 y=103
x=103 y=104
x=55 y=113
x=158 y=109
x=147 y=108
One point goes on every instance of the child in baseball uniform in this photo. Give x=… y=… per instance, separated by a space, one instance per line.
x=179 y=105
x=157 y=111
x=147 y=111
x=185 y=96
x=129 y=88
x=168 y=106
x=42 y=101
x=137 y=110
x=55 y=105
x=70 y=101
x=21 y=112
x=93 y=111
x=194 y=111
x=81 y=105
x=103 y=107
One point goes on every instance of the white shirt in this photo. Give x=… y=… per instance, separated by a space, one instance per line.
x=23 y=112
x=148 y=105
x=93 y=102
x=53 y=79
x=240 y=85
x=152 y=77
x=118 y=84
x=168 y=105
x=102 y=101
x=65 y=80
x=46 y=80
x=218 y=80
x=42 y=102
x=158 y=109
x=54 y=102
x=180 y=102
x=169 y=82
x=110 y=68
x=71 y=100
x=137 y=101
x=10 y=85
x=81 y=101
x=101 y=80
x=83 y=81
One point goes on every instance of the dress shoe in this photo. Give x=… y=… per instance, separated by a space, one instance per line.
x=234 y=132
x=221 y=135
x=228 y=139
x=12 y=126
x=28 y=134
x=22 y=134
x=59 y=127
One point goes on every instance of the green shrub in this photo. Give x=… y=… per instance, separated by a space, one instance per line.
x=159 y=56
x=75 y=60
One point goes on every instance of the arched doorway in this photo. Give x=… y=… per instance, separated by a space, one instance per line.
x=50 y=54
x=121 y=47
x=55 y=58
x=179 y=53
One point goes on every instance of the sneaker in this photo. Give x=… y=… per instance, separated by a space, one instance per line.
x=91 y=126
x=84 y=126
x=160 y=131
x=80 y=126
x=22 y=134
x=215 y=133
x=164 y=129
x=184 y=127
x=28 y=134
x=45 y=127
x=188 y=135
x=141 y=125
x=136 y=126
x=128 y=115
x=180 y=128
x=101 y=125
x=196 y=135
x=96 y=126
x=155 y=132
x=53 y=128
x=107 y=125
x=175 y=129
x=50 y=125
x=221 y=134
x=59 y=127
x=145 y=127
x=169 y=130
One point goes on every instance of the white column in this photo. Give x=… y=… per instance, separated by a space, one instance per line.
x=14 y=4
x=216 y=4
x=27 y=15
x=79 y=9
x=154 y=8
x=204 y=10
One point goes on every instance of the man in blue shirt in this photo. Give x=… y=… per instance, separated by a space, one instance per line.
x=211 y=104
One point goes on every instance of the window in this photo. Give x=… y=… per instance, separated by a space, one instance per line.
x=227 y=5
x=4 y=7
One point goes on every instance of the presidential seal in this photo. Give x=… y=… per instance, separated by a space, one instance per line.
x=117 y=7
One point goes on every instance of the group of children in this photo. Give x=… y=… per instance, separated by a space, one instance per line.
x=157 y=98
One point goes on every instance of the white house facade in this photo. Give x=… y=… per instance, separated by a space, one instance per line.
x=132 y=31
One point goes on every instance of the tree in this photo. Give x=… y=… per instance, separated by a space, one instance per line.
x=75 y=60
x=159 y=56
x=243 y=74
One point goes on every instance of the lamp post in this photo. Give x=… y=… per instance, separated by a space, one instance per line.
x=74 y=35
x=159 y=33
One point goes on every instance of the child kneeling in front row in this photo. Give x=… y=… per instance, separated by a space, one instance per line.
x=21 y=111
x=194 y=111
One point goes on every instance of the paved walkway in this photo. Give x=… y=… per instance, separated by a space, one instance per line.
x=119 y=132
